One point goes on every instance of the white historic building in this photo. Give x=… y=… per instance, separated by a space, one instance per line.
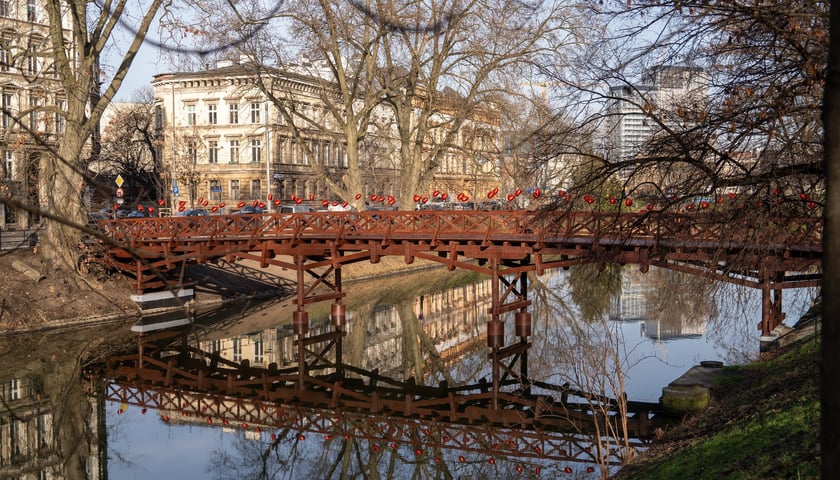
x=225 y=142
x=28 y=90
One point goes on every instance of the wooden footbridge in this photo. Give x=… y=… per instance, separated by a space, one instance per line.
x=770 y=253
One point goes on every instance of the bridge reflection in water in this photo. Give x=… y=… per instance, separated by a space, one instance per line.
x=198 y=382
x=186 y=385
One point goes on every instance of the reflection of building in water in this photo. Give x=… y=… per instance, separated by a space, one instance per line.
x=652 y=298
x=27 y=433
x=631 y=304
x=453 y=319
x=662 y=330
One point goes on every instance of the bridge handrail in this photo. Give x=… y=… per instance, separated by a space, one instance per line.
x=484 y=226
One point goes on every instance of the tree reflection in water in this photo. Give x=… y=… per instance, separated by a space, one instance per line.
x=56 y=426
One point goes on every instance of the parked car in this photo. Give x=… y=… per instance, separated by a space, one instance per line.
x=137 y=214
x=296 y=209
x=250 y=210
x=195 y=212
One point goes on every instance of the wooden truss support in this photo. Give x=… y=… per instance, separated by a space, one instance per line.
x=508 y=294
x=307 y=357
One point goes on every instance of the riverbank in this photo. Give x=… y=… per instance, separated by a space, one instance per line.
x=46 y=301
x=763 y=423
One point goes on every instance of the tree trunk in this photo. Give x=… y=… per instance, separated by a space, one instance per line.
x=830 y=428
x=63 y=186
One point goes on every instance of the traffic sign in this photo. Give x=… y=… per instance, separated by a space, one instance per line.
x=119 y=181
x=120 y=193
x=175 y=190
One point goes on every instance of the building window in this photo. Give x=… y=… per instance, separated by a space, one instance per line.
x=192 y=152
x=7 y=106
x=5 y=59
x=259 y=349
x=31 y=11
x=33 y=113
x=234 y=151
x=256 y=150
x=216 y=189
x=190 y=114
x=256 y=191
x=213 y=151
x=211 y=114
x=255 y=112
x=59 y=116
x=234 y=190
x=215 y=346
x=8 y=165
x=237 y=349
x=233 y=109
x=4 y=8
x=158 y=117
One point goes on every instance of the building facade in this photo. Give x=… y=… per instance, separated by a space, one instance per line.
x=225 y=143
x=31 y=101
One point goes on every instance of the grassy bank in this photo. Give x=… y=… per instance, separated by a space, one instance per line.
x=764 y=425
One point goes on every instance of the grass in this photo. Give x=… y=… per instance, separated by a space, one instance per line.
x=764 y=426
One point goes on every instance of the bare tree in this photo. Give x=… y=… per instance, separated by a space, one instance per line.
x=80 y=33
x=729 y=92
x=130 y=145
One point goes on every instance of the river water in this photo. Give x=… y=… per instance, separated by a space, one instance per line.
x=610 y=331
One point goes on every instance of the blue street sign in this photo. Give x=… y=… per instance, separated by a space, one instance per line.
x=175 y=190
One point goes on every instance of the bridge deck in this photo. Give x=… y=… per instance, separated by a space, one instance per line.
x=148 y=248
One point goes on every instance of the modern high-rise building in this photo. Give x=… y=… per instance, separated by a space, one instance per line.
x=635 y=111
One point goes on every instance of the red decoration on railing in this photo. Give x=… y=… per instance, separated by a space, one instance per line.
x=589 y=199
x=271 y=196
x=536 y=193
x=325 y=202
x=436 y=193
x=181 y=208
x=424 y=200
x=214 y=209
x=298 y=200
x=358 y=196
x=517 y=192
x=277 y=202
x=222 y=205
x=510 y=197
x=628 y=202
x=416 y=198
x=140 y=207
x=704 y=205
x=262 y=205
x=311 y=196
x=812 y=205
x=613 y=201
x=803 y=196
x=372 y=197
x=151 y=209
x=200 y=199
x=161 y=202
x=444 y=196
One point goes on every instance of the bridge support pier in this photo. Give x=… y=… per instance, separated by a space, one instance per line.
x=771 y=301
x=507 y=296
x=306 y=344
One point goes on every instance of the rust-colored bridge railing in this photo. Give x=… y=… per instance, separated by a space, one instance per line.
x=719 y=245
